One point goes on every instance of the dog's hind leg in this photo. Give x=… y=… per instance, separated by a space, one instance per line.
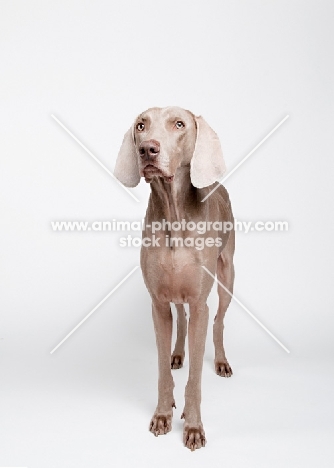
x=225 y=275
x=178 y=353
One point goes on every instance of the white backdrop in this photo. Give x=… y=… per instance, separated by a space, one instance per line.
x=244 y=66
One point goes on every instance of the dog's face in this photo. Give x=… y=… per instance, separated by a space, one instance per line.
x=164 y=140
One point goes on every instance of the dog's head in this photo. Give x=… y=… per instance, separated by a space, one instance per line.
x=161 y=140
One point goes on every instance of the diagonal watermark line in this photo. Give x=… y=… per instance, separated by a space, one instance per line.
x=94 y=157
x=248 y=311
x=246 y=157
x=95 y=308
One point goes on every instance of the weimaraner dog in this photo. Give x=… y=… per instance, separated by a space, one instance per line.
x=180 y=156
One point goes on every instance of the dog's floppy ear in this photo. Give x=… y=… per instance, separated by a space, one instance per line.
x=207 y=164
x=126 y=168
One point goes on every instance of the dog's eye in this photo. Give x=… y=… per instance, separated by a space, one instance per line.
x=140 y=126
x=179 y=124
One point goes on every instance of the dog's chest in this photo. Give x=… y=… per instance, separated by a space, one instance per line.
x=175 y=274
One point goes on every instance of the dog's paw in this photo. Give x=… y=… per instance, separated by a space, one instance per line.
x=177 y=361
x=223 y=369
x=194 y=436
x=161 y=423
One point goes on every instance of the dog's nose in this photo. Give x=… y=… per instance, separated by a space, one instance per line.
x=149 y=149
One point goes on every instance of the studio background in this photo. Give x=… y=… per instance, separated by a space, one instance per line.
x=243 y=66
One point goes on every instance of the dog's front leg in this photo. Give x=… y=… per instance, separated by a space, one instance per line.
x=193 y=432
x=161 y=422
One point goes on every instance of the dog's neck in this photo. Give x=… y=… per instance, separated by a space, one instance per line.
x=174 y=197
